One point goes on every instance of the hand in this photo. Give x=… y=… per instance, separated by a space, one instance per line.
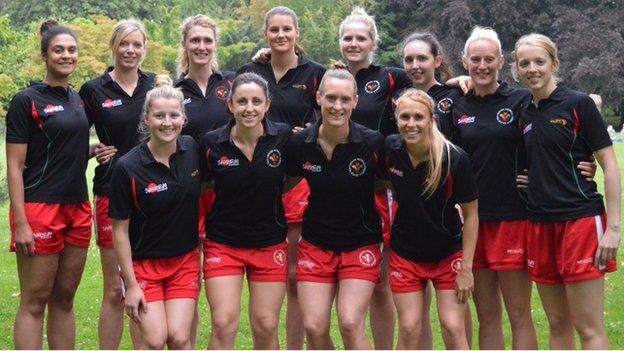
x=588 y=168
x=522 y=180
x=135 y=303
x=607 y=247
x=465 y=84
x=261 y=55
x=464 y=284
x=460 y=212
x=24 y=240
x=104 y=154
x=298 y=129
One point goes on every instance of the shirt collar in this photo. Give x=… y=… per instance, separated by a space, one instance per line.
x=107 y=79
x=147 y=157
x=503 y=90
x=355 y=132
x=224 y=133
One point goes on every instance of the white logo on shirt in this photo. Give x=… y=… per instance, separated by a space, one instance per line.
x=52 y=109
x=527 y=128
x=108 y=103
x=228 y=162
x=308 y=166
x=465 y=119
x=153 y=188
x=186 y=101
x=396 y=171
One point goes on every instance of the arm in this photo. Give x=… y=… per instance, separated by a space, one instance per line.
x=134 y=299
x=16 y=161
x=464 y=283
x=588 y=168
x=465 y=83
x=102 y=153
x=608 y=246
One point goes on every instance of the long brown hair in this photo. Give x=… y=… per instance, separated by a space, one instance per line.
x=444 y=72
x=284 y=11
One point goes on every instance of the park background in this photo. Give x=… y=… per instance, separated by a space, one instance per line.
x=590 y=35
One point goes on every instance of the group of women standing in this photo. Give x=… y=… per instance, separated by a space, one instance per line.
x=357 y=185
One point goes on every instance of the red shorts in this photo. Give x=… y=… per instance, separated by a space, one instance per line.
x=206 y=200
x=267 y=264
x=54 y=225
x=407 y=276
x=296 y=201
x=169 y=278
x=317 y=265
x=501 y=245
x=563 y=252
x=387 y=208
x=103 y=223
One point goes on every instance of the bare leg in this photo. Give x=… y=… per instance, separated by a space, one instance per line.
x=265 y=303
x=487 y=299
x=516 y=289
x=353 y=299
x=110 y=323
x=153 y=326
x=180 y=314
x=410 y=312
x=294 y=321
x=452 y=314
x=588 y=313
x=36 y=279
x=555 y=303
x=224 y=297
x=426 y=334
x=382 y=309
x=61 y=327
x=316 y=303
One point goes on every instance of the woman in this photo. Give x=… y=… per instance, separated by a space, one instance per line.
x=244 y=161
x=426 y=66
x=47 y=142
x=340 y=247
x=204 y=86
x=485 y=125
x=377 y=86
x=572 y=242
x=293 y=82
x=430 y=175
x=113 y=104
x=154 y=211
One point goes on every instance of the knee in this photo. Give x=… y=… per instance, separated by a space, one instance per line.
x=410 y=329
x=154 y=341
x=519 y=315
x=489 y=315
x=225 y=322
x=34 y=303
x=454 y=329
x=179 y=340
x=349 y=325
x=588 y=332
x=315 y=327
x=265 y=325
x=559 y=323
x=113 y=295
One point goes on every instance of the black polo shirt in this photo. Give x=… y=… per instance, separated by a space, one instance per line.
x=293 y=98
x=341 y=213
x=487 y=129
x=116 y=116
x=52 y=121
x=248 y=210
x=161 y=203
x=561 y=131
x=377 y=86
x=206 y=113
x=444 y=96
x=427 y=229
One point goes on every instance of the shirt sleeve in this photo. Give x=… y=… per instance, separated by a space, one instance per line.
x=205 y=165
x=381 y=171
x=593 y=128
x=291 y=159
x=86 y=95
x=402 y=82
x=123 y=198
x=20 y=119
x=464 y=184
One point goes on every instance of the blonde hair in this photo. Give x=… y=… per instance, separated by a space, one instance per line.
x=481 y=33
x=537 y=40
x=284 y=11
x=359 y=15
x=438 y=144
x=163 y=89
x=121 y=30
x=341 y=74
x=188 y=23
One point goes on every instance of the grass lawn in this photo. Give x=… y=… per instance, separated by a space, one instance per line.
x=89 y=296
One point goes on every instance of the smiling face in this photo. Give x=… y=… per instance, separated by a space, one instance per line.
x=414 y=121
x=337 y=101
x=420 y=64
x=165 y=119
x=535 y=67
x=200 y=45
x=281 y=33
x=130 y=51
x=249 y=105
x=356 y=44
x=61 y=56
x=483 y=61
